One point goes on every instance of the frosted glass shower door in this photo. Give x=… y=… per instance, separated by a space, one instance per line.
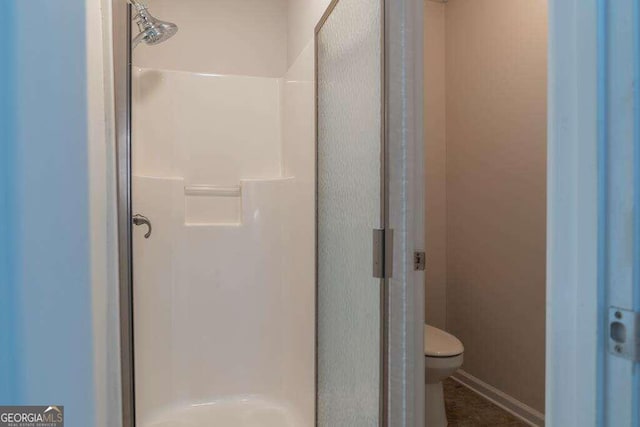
x=349 y=207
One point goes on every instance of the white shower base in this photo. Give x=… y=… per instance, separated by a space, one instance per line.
x=236 y=412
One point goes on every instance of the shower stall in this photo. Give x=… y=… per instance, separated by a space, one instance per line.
x=269 y=209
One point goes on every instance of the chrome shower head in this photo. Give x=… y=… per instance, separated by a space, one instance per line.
x=152 y=30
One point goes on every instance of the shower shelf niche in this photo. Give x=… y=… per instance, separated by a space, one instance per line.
x=212 y=205
x=212 y=191
x=231 y=206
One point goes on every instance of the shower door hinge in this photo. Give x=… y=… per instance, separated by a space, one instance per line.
x=624 y=331
x=419 y=261
x=382 y=253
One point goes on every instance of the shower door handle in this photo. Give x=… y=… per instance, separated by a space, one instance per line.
x=143 y=220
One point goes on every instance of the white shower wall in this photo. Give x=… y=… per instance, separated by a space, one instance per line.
x=224 y=294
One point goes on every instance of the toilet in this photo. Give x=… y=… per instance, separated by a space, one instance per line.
x=443 y=356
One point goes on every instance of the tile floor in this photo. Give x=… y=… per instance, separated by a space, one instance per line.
x=467 y=409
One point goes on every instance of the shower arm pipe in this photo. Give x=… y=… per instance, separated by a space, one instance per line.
x=140 y=7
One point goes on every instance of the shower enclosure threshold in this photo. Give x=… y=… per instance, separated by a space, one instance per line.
x=245 y=411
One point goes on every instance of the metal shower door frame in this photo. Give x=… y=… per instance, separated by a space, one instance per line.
x=121 y=18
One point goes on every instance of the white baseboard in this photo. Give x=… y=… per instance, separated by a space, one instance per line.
x=526 y=413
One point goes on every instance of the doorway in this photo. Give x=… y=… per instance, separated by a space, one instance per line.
x=486 y=202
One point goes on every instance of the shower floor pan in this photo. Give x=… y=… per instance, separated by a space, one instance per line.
x=241 y=412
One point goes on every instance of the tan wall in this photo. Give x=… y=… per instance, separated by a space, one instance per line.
x=247 y=37
x=435 y=163
x=302 y=17
x=274 y=34
x=496 y=190
x=486 y=186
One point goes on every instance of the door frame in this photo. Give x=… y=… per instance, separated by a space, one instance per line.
x=572 y=366
x=594 y=109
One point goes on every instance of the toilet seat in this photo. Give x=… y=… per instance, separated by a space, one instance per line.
x=438 y=343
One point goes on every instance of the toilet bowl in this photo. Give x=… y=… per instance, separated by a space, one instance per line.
x=443 y=354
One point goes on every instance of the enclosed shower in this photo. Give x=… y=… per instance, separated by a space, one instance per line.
x=254 y=216
x=222 y=179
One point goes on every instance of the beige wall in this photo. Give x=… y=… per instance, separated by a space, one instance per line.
x=302 y=16
x=495 y=190
x=247 y=37
x=435 y=163
x=243 y=37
